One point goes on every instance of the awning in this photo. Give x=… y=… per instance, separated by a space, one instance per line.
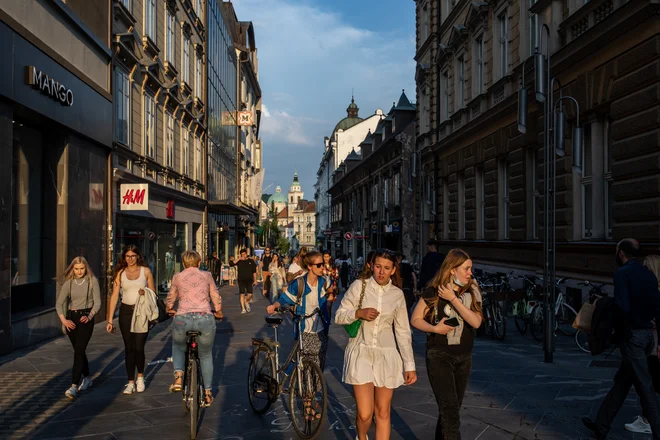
x=230 y=208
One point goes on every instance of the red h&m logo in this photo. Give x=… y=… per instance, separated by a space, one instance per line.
x=169 y=211
x=134 y=197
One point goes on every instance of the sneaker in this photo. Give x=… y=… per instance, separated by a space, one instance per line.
x=247 y=307
x=243 y=312
x=638 y=426
x=129 y=388
x=140 y=384
x=72 y=392
x=85 y=383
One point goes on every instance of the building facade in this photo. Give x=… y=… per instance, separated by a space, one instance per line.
x=296 y=218
x=481 y=179
x=56 y=126
x=160 y=131
x=345 y=137
x=372 y=192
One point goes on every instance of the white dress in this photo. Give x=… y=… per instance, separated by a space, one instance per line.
x=372 y=356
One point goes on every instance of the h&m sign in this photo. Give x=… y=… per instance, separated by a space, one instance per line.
x=134 y=196
x=48 y=86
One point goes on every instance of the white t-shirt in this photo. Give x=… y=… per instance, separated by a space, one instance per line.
x=294 y=267
x=315 y=323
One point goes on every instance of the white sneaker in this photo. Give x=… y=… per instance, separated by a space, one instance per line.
x=638 y=426
x=129 y=388
x=243 y=312
x=72 y=392
x=247 y=307
x=85 y=383
x=140 y=384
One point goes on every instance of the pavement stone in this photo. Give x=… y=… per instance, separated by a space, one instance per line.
x=512 y=394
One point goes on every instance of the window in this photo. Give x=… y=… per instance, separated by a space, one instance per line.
x=198 y=77
x=169 y=140
x=123 y=107
x=397 y=188
x=444 y=90
x=481 y=203
x=503 y=44
x=504 y=198
x=533 y=28
x=185 y=62
x=149 y=125
x=169 y=37
x=448 y=5
x=150 y=19
x=425 y=24
x=587 y=184
x=126 y=3
x=478 y=57
x=425 y=109
x=374 y=197
x=460 y=206
x=199 y=8
x=386 y=191
x=185 y=151
x=460 y=82
x=198 y=159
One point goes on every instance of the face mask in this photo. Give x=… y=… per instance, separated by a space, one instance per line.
x=458 y=283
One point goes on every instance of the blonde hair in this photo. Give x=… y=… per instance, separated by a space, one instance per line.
x=653 y=263
x=190 y=259
x=68 y=273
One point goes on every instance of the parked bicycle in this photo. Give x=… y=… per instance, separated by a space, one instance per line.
x=522 y=307
x=267 y=379
x=494 y=291
x=596 y=291
x=193 y=384
x=564 y=315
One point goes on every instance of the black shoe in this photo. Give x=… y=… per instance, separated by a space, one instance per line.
x=591 y=426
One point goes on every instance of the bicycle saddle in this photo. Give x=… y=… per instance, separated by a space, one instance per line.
x=274 y=320
x=192 y=333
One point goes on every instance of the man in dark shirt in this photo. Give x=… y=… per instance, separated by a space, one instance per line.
x=265 y=273
x=430 y=264
x=214 y=266
x=247 y=277
x=637 y=297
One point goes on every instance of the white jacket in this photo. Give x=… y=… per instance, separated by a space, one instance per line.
x=146 y=310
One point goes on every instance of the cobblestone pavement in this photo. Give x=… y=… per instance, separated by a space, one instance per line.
x=512 y=394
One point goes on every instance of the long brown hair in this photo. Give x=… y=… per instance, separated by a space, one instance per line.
x=122 y=264
x=454 y=259
x=366 y=272
x=68 y=273
x=390 y=256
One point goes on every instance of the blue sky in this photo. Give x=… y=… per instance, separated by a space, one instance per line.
x=311 y=54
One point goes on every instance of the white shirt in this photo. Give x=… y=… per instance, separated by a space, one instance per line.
x=294 y=267
x=315 y=323
x=378 y=334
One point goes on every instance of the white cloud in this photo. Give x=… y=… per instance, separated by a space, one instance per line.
x=278 y=126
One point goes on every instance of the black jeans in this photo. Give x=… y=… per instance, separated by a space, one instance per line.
x=634 y=371
x=448 y=374
x=79 y=338
x=133 y=342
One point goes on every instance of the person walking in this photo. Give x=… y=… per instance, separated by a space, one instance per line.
x=295 y=269
x=266 y=259
x=372 y=362
x=452 y=297
x=232 y=271
x=409 y=280
x=77 y=302
x=214 y=267
x=247 y=278
x=189 y=301
x=430 y=263
x=131 y=279
x=637 y=299
x=277 y=277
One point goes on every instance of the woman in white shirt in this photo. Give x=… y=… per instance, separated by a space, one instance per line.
x=277 y=277
x=372 y=363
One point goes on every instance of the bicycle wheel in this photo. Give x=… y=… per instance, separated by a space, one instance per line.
x=565 y=317
x=582 y=341
x=536 y=322
x=261 y=380
x=520 y=315
x=499 y=321
x=193 y=397
x=307 y=400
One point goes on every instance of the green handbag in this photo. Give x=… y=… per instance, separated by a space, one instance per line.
x=353 y=328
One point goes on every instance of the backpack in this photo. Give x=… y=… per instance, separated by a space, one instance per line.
x=602 y=326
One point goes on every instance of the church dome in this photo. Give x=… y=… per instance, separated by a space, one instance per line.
x=278 y=197
x=350 y=120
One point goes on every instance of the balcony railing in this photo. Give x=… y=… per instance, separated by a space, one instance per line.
x=589 y=16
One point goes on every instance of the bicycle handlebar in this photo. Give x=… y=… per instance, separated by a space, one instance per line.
x=295 y=315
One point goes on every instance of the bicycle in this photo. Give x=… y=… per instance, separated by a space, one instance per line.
x=595 y=292
x=266 y=380
x=494 y=303
x=564 y=316
x=522 y=307
x=193 y=384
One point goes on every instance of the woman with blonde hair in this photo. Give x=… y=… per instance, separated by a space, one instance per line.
x=78 y=301
x=450 y=314
x=189 y=300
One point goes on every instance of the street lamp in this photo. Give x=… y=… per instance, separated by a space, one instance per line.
x=552 y=123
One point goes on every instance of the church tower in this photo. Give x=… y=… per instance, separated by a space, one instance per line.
x=295 y=193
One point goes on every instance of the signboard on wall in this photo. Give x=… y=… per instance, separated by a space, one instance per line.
x=96 y=197
x=134 y=197
x=245 y=119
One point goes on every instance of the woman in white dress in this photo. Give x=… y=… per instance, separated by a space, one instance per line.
x=372 y=362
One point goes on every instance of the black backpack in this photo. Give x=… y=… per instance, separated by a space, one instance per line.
x=344 y=267
x=603 y=327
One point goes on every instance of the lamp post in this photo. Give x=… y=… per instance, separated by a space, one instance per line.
x=544 y=88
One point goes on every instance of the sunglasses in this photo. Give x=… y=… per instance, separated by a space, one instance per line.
x=131 y=256
x=318 y=265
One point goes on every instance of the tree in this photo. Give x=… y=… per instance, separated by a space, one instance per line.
x=283 y=245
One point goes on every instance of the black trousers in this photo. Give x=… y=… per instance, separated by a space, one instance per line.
x=133 y=342
x=634 y=371
x=266 y=276
x=79 y=338
x=448 y=374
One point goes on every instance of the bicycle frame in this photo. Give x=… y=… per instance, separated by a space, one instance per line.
x=282 y=375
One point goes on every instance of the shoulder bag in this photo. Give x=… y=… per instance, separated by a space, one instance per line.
x=353 y=328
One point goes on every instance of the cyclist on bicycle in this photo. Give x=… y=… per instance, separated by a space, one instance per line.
x=306 y=294
x=193 y=291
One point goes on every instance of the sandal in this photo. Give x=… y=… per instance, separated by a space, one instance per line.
x=177 y=387
x=208 y=399
x=310 y=413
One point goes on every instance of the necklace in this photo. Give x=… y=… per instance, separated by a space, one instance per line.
x=79 y=284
